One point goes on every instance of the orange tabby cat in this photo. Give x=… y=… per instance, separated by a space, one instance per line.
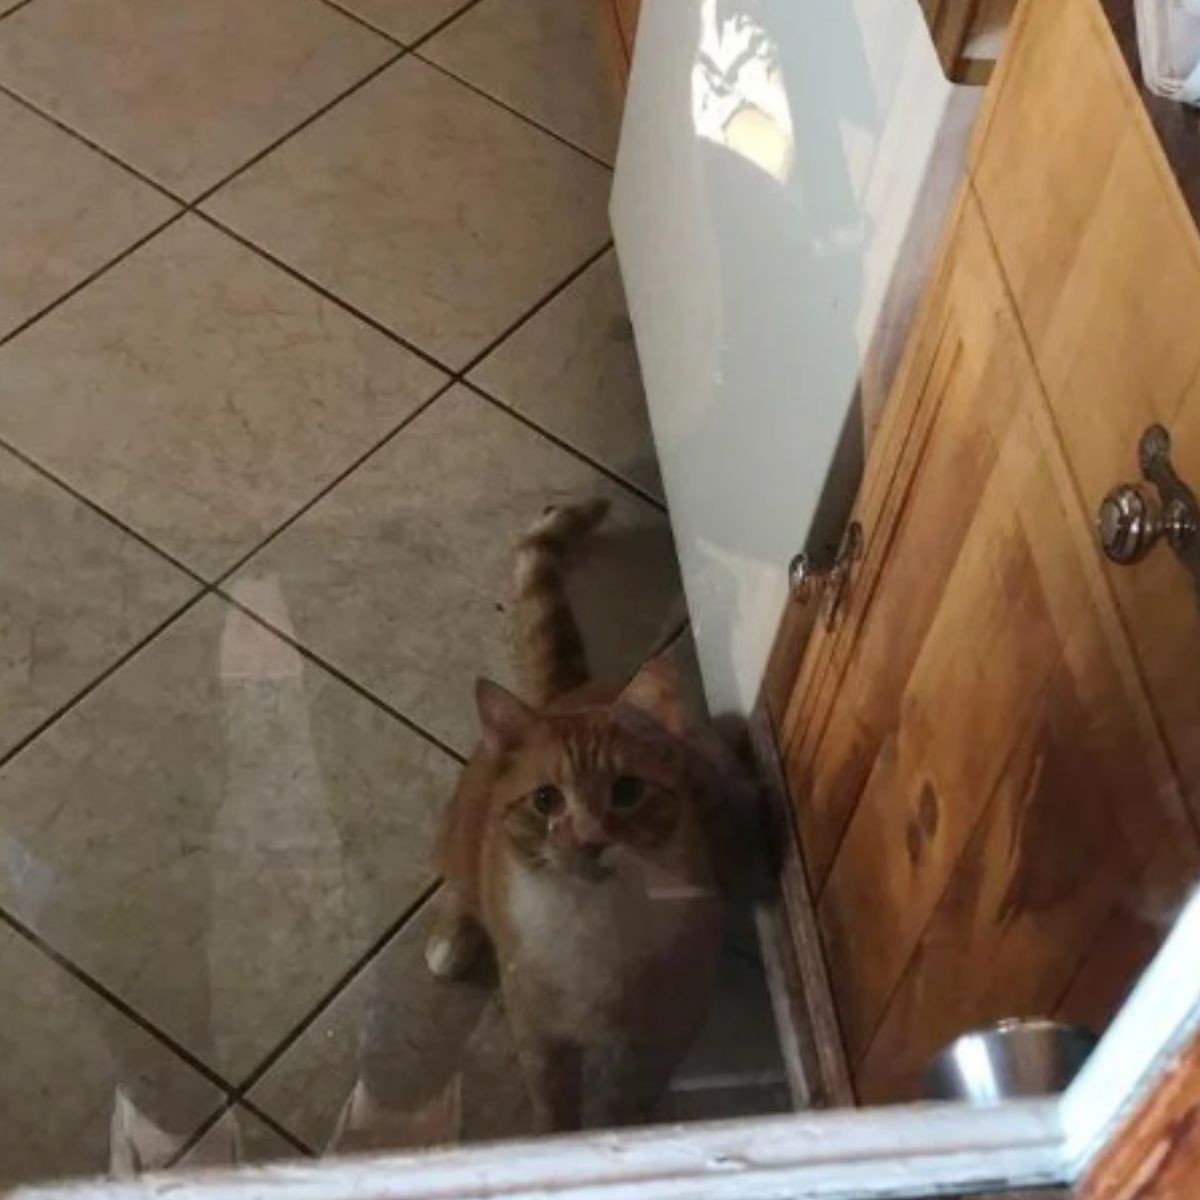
x=578 y=843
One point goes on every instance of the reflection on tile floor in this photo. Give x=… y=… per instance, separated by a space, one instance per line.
x=401 y=575
x=255 y=538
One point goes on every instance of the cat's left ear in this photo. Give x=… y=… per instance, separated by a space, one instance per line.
x=505 y=719
x=655 y=690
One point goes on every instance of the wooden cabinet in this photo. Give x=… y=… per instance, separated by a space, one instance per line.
x=619 y=20
x=993 y=750
x=966 y=35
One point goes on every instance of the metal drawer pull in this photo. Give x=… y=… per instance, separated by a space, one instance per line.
x=1133 y=518
x=809 y=579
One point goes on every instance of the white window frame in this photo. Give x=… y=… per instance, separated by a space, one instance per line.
x=906 y=1151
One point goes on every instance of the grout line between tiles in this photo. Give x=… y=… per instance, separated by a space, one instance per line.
x=340 y=675
x=341 y=477
x=15 y=8
x=200 y=1133
x=516 y=112
x=536 y=308
x=239 y=1095
x=277 y=1127
x=91 y=278
x=311 y=119
x=366 y=23
x=432 y=33
x=60 y=124
x=321 y=290
x=103 y=513
x=343 y=981
x=363 y=22
x=230 y=1104
x=106 y=673
x=127 y=1010
x=574 y=451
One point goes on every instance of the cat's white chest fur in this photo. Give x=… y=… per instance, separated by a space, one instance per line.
x=592 y=939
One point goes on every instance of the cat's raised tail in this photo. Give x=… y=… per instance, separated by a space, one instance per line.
x=550 y=649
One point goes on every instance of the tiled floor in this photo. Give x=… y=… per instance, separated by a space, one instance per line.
x=306 y=309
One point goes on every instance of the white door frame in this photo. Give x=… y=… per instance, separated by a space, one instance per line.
x=906 y=1151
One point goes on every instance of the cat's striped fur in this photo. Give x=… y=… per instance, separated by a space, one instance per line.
x=550 y=651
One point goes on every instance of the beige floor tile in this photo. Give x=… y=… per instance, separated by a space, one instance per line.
x=254 y=1142
x=401 y=575
x=219 y=830
x=75 y=593
x=67 y=1054
x=427 y=207
x=403 y=1036
x=405 y=20
x=64 y=210
x=573 y=369
x=184 y=92
x=544 y=58
x=201 y=395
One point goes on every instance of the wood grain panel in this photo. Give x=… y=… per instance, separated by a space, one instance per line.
x=1156 y=1155
x=958 y=614
x=987 y=736
x=925 y=539
x=896 y=455
x=1120 y=952
x=1061 y=842
x=628 y=12
x=1104 y=264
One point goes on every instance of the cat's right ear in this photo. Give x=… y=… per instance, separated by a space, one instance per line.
x=506 y=720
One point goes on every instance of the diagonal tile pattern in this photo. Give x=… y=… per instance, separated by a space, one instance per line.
x=271 y=417
x=75 y=593
x=543 y=58
x=72 y=1062
x=219 y=830
x=408 y=21
x=65 y=213
x=184 y=92
x=401 y=575
x=573 y=369
x=201 y=395
x=430 y=209
x=402 y=1036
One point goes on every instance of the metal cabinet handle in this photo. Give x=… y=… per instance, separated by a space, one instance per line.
x=1134 y=517
x=810 y=579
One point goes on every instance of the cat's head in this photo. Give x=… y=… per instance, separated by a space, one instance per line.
x=577 y=791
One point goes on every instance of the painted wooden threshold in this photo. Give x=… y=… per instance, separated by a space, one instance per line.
x=899 y=1153
x=837 y=1154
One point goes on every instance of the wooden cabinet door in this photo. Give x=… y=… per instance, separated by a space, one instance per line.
x=979 y=773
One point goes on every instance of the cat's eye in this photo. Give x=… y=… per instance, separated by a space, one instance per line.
x=627 y=793
x=547 y=800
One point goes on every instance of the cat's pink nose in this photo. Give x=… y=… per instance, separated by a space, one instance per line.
x=587 y=833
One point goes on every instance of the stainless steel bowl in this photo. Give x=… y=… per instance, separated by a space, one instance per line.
x=1014 y=1058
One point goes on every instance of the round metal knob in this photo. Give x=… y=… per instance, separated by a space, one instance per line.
x=805 y=577
x=1129 y=523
